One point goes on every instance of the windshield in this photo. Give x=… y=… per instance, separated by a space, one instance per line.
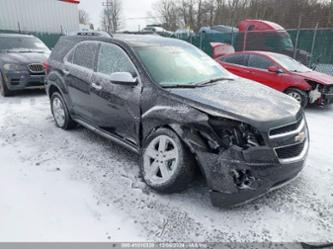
x=171 y=65
x=278 y=41
x=290 y=64
x=22 y=43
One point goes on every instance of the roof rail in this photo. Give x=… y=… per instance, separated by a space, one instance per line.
x=92 y=33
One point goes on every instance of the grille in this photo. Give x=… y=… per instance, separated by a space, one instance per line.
x=328 y=89
x=290 y=151
x=286 y=129
x=14 y=82
x=35 y=83
x=36 y=68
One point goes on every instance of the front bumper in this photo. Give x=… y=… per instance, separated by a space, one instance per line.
x=23 y=80
x=326 y=99
x=233 y=180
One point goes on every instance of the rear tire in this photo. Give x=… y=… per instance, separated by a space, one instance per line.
x=166 y=163
x=60 y=112
x=300 y=96
x=4 y=91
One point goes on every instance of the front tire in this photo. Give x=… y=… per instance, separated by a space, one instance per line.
x=300 y=96
x=166 y=165
x=4 y=91
x=60 y=112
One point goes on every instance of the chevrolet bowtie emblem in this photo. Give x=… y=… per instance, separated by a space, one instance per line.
x=300 y=137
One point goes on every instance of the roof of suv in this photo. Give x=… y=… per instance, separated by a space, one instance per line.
x=146 y=40
x=66 y=43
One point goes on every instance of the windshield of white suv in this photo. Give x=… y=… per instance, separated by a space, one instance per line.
x=21 y=44
x=290 y=64
x=171 y=65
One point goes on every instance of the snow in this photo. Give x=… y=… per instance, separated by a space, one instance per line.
x=60 y=185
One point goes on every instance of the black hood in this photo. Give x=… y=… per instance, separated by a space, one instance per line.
x=243 y=100
x=23 y=58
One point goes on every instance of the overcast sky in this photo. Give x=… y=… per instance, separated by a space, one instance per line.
x=131 y=9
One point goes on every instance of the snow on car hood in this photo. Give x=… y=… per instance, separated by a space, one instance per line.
x=23 y=58
x=244 y=100
x=317 y=76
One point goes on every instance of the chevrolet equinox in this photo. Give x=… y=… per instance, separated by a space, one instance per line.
x=175 y=106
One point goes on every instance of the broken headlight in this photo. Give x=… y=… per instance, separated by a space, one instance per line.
x=232 y=133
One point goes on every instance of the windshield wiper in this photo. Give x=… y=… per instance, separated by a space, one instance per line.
x=203 y=83
x=196 y=84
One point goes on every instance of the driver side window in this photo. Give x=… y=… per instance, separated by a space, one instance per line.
x=113 y=59
x=260 y=62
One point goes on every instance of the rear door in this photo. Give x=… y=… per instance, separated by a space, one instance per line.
x=78 y=71
x=116 y=108
x=236 y=64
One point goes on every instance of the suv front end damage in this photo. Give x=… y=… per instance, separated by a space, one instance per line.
x=243 y=163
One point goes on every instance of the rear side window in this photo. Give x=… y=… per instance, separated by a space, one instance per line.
x=257 y=61
x=236 y=59
x=85 y=55
x=112 y=59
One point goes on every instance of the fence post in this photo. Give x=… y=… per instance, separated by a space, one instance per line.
x=297 y=35
x=313 y=43
x=201 y=40
x=19 y=27
x=245 y=40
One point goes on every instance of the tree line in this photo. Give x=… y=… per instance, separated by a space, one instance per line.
x=194 y=14
x=110 y=19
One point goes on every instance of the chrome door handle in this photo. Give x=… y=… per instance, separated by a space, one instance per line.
x=97 y=87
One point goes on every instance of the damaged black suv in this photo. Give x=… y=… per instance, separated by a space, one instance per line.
x=176 y=107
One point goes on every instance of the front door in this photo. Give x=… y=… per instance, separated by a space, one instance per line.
x=258 y=71
x=115 y=108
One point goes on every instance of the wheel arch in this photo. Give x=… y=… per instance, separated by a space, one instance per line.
x=52 y=89
x=189 y=142
x=301 y=85
x=185 y=123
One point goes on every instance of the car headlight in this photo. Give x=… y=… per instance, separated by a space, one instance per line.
x=14 y=67
x=236 y=133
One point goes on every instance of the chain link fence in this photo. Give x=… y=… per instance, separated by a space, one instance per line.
x=312 y=47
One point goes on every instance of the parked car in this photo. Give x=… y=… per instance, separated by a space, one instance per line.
x=21 y=62
x=175 y=106
x=157 y=30
x=282 y=73
x=218 y=29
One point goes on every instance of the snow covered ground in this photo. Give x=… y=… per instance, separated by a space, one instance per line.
x=76 y=186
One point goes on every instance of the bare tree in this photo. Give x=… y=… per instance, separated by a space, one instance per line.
x=167 y=12
x=197 y=13
x=84 y=17
x=111 y=16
